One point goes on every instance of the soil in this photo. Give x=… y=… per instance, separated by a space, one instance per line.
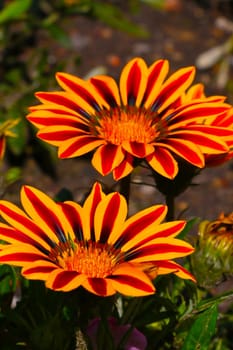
x=180 y=33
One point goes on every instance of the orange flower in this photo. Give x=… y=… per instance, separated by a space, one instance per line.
x=138 y=120
x=94 y=245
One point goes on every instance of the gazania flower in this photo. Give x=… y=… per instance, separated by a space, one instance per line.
x=213 y=259
x=93 y=246
x=137 y=120
x=6 y=132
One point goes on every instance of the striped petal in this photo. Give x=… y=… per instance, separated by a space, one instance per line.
x=156 y=74
x=109 y=217
x=209 y=144
x=38 y=270
x=64 y=280
x=131 y=281
x=62 y=99
x=59 y=134
x=186 y=150
x=174 y=86
x=163 y=162
x=157 y=249
x=20 y=255
x=133 y=82
x=165 y=267
x=25 y=226
x=124 y=169
x=139 y=224
x=99 y=286
x=139 y=150
x=78 y=146
x=82 y=89
x=107 y=157
x=164 y=230
x=45 y=212
x=107 y=88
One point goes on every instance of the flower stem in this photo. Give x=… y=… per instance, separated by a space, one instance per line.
x=125 y=187
x=170 y=202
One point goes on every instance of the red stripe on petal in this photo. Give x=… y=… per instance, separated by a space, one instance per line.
x=59 y=99
x=133 y=83
x=79 y=91
x=163 y=162
x=46 y=214
x=108 y=154
x=38 y=269
x=133 y=282
x=61 y=135
x=137 y=226
x=78 y=143
x=175 y=228
x=22 y=257
x=187 y=150
x=96 y=196
x=171 y=88
x=153 y=78
x=27 y=223
x=63 y=278
x=98 y=285
x=160 y=248
x=109 y=217
x=104 y=91
x=73 y=216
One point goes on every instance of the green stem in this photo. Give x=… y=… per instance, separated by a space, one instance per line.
x=170 y=202
x=125 y=187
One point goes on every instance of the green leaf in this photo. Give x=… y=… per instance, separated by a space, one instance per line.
x=202 y=330
x=14 y=10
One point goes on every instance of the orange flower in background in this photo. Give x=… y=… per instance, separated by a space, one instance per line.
x=137 y=120
x=6 y=132
x=94 y=245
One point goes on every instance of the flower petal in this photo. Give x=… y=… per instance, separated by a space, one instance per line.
x=165 y=267
x=107 y=88
x=20 y=254
x=139 y=150
x=156 y=74
x=64 y=280
x=78 y=146
x=109 y=217
x=174 y=86
x=46 y=213
x=124 y=169
x=38 y=270
x=163 y=162
x=139 y=224
x=186 y=150
x=133 y=82
x=25 y=227
x=99 y=286
x=131 y=281
x=107 y=157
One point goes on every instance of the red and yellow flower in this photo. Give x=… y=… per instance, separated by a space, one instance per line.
x=138 y=120
x=94 y=245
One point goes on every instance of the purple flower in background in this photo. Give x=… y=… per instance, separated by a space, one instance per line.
x=135 y=341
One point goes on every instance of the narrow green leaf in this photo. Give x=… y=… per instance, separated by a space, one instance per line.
x=14 y=10
x=202 y=330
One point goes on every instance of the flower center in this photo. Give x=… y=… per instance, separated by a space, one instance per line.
x=90 y=258
x=126 y=124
